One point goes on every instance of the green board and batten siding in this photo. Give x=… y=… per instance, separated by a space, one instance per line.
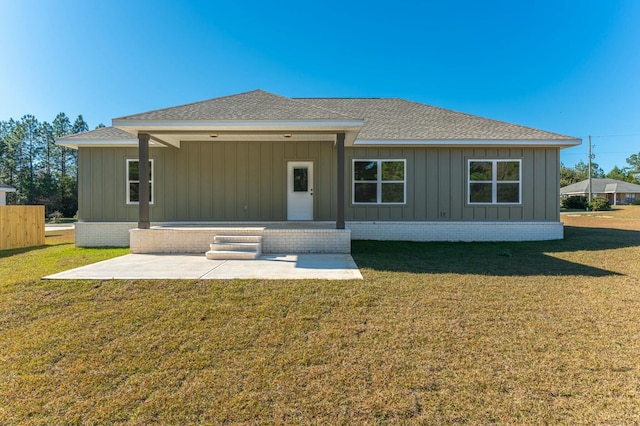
x=214 y=181
x=205 y=181
x=437 y=185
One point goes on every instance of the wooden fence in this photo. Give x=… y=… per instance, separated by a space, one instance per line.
x=21 y=226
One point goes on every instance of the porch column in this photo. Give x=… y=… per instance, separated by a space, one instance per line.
x=340 y=192
x=143 y=176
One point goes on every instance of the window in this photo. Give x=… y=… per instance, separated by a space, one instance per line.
x=133 y=182
x=378 y=181
x=494 y=181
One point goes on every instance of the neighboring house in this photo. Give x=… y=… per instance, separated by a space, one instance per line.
x=3 y=193
x=616 y=191
x=371 y=168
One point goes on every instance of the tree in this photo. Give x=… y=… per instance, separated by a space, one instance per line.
x=623 y=174
x=616 y=173
x=582 y=170
x=4 y=136
x=68 y=204
x=50 y=154
x=9 y=146
x=45 y=190
x=79 y=126
x=11 y=141
x=41 y=171
x=634 y=164
x=62 y=127
x=32 y=149
x=567 y=176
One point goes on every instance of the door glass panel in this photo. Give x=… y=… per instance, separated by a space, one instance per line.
x=300 y=179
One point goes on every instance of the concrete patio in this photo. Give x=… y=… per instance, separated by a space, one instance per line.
x=197 y=267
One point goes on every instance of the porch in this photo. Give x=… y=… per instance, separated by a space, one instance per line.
x=275 y=237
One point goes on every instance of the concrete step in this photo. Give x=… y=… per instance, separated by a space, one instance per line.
x=230 y=255
x=235 y=246
x=237 y=239
x=229 y=247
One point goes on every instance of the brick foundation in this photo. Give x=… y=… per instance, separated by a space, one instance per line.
x=196 y=239
x=274 y=241
x=456 y=231
x=103 y=234
x=306 y=241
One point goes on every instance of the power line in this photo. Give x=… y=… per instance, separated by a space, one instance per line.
x=601 y=152
x=616 y=136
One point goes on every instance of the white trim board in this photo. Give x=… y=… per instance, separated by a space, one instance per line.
x=563 y=143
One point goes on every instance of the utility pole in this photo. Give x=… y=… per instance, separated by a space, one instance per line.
x=590 y=158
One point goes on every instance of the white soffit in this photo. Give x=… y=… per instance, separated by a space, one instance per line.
x=173 y=132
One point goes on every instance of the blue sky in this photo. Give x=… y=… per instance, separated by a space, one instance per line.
x=570 y=67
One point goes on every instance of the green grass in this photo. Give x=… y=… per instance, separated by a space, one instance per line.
x=58 y=254
x=436 y=333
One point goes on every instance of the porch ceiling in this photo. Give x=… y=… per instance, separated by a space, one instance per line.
x=174 y=133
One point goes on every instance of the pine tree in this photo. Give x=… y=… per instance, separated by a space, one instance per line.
x=32 y=148
x=634 y=164
x=79 y=126
x=62 y=127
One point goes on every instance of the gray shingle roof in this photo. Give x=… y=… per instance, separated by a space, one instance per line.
x=394 y=118
x=103 y=133
x=254 y=105
x=600 y=186
x=384 y=118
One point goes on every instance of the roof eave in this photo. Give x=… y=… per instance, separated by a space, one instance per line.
x=133 y=126
x=560 y=143
x=104 y=143
x=170 y=131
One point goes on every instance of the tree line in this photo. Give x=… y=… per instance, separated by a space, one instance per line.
x=580 y=172
x=41 y=171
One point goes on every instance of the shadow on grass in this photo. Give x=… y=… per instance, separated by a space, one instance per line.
x=499 y=258
x=13 y=252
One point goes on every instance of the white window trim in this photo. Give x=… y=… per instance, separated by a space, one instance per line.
x=128 y=181
x=379 y=182
x=494 y=181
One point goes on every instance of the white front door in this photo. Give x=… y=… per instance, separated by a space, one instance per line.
x=300 y=190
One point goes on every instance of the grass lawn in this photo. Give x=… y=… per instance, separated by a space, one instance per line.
x=436 y=333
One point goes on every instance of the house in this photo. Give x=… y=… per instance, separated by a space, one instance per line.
x=311 y=174
x=616 y=191
x=3 y=193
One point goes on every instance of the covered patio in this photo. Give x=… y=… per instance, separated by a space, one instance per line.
x=266 y=167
